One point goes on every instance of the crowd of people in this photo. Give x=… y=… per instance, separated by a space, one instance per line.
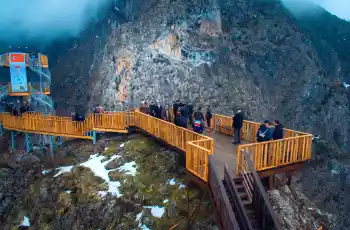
x=17 y=110
x=180 y=113
x=184 y=115
x=266 y=132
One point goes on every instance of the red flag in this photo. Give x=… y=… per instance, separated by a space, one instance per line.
x=17 y=57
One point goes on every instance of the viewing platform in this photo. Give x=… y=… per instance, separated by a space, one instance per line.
x=232 y=172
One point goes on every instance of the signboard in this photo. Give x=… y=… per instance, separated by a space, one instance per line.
x=18 y=73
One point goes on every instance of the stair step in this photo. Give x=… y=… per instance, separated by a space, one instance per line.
x=240 y=188
x=238 y=180
x=250 y=212
x=243 y=195
x=246 y=202
x=255 y=223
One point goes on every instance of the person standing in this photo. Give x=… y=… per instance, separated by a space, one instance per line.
x=190 y=112
x=208 y=116
x=144 y=108
x=198 y=115
x=265 y=132
x=278 y=131
x=237 y=123
x=159 y=111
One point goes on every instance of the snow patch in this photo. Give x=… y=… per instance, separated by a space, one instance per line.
x=96 y=165
x=157 y=211
x=63 y=169
x=172 y=181
x=128 y=168
x=25 y=222
x=182 y=186
x=45 y=172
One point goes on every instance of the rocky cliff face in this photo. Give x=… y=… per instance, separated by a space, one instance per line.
x=230 y=54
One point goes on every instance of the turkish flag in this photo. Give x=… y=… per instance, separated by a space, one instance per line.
x=17 y=57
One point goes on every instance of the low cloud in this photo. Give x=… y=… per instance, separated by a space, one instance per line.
x=340 y=8
x=45 y=20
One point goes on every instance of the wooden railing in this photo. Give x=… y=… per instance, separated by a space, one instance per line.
x=272 y=154
x=295 y=147
x=31 y=90
x=223 y=209
x=257 y=194
x=197 y=147
x=236 y=202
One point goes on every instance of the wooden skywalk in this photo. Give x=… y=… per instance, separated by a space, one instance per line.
x=231 y=172
x=294 y=148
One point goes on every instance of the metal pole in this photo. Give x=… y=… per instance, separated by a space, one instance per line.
x=51 y=146
x=94 y=137
x=12 y=141
x=27 y=143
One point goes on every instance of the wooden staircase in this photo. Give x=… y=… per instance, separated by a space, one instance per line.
x=248 y=198
x=247 y=203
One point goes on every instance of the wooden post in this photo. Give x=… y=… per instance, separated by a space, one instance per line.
x=271 y=182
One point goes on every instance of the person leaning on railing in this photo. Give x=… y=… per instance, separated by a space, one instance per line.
x=265 y=132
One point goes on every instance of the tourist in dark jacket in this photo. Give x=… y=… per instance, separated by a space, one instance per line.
x=144 y=108
x=158 y=111
x=181 y=120
x=278 y=131
x=198 y=126
x=237 y=123
x=208 y=116
x=190 y=112
x=265 y=132
x=176 y=108
x=198 y=115
x=152 y=109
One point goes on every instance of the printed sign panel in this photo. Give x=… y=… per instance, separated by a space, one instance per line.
x=18 y=73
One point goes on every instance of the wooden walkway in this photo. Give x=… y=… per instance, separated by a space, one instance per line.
x=225 y=152
x=295 y=147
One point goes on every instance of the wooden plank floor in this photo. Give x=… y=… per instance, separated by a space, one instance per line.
x=225 y=152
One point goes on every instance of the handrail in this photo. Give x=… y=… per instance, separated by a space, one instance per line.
x=294 y=147
x=221 y=201
x=237 y=206
x=276 y=153
x=260 y=200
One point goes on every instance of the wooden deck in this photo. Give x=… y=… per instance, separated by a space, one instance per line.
x=225 y=152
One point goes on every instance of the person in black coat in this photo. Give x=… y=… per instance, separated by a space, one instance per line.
x=158 y=111
x=278 y=131
x=176 y=106
x=190 y=112
x=208 y=116
x=237 y=123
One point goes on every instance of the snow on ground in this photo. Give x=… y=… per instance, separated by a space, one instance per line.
x=172 y=181
x=25 y=222
x=157 y=211
x=128 y=168
x=96 y=165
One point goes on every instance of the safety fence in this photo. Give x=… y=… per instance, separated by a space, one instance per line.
x=257 y=195
x=32 y=88
x=294 y=148
x=197 y=147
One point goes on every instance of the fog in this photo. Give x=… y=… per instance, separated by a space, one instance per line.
x=340 y=8
x=44 y=20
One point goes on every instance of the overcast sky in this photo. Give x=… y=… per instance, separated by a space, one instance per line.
x=49 y=19
x=46 y=18
x=340 y=8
